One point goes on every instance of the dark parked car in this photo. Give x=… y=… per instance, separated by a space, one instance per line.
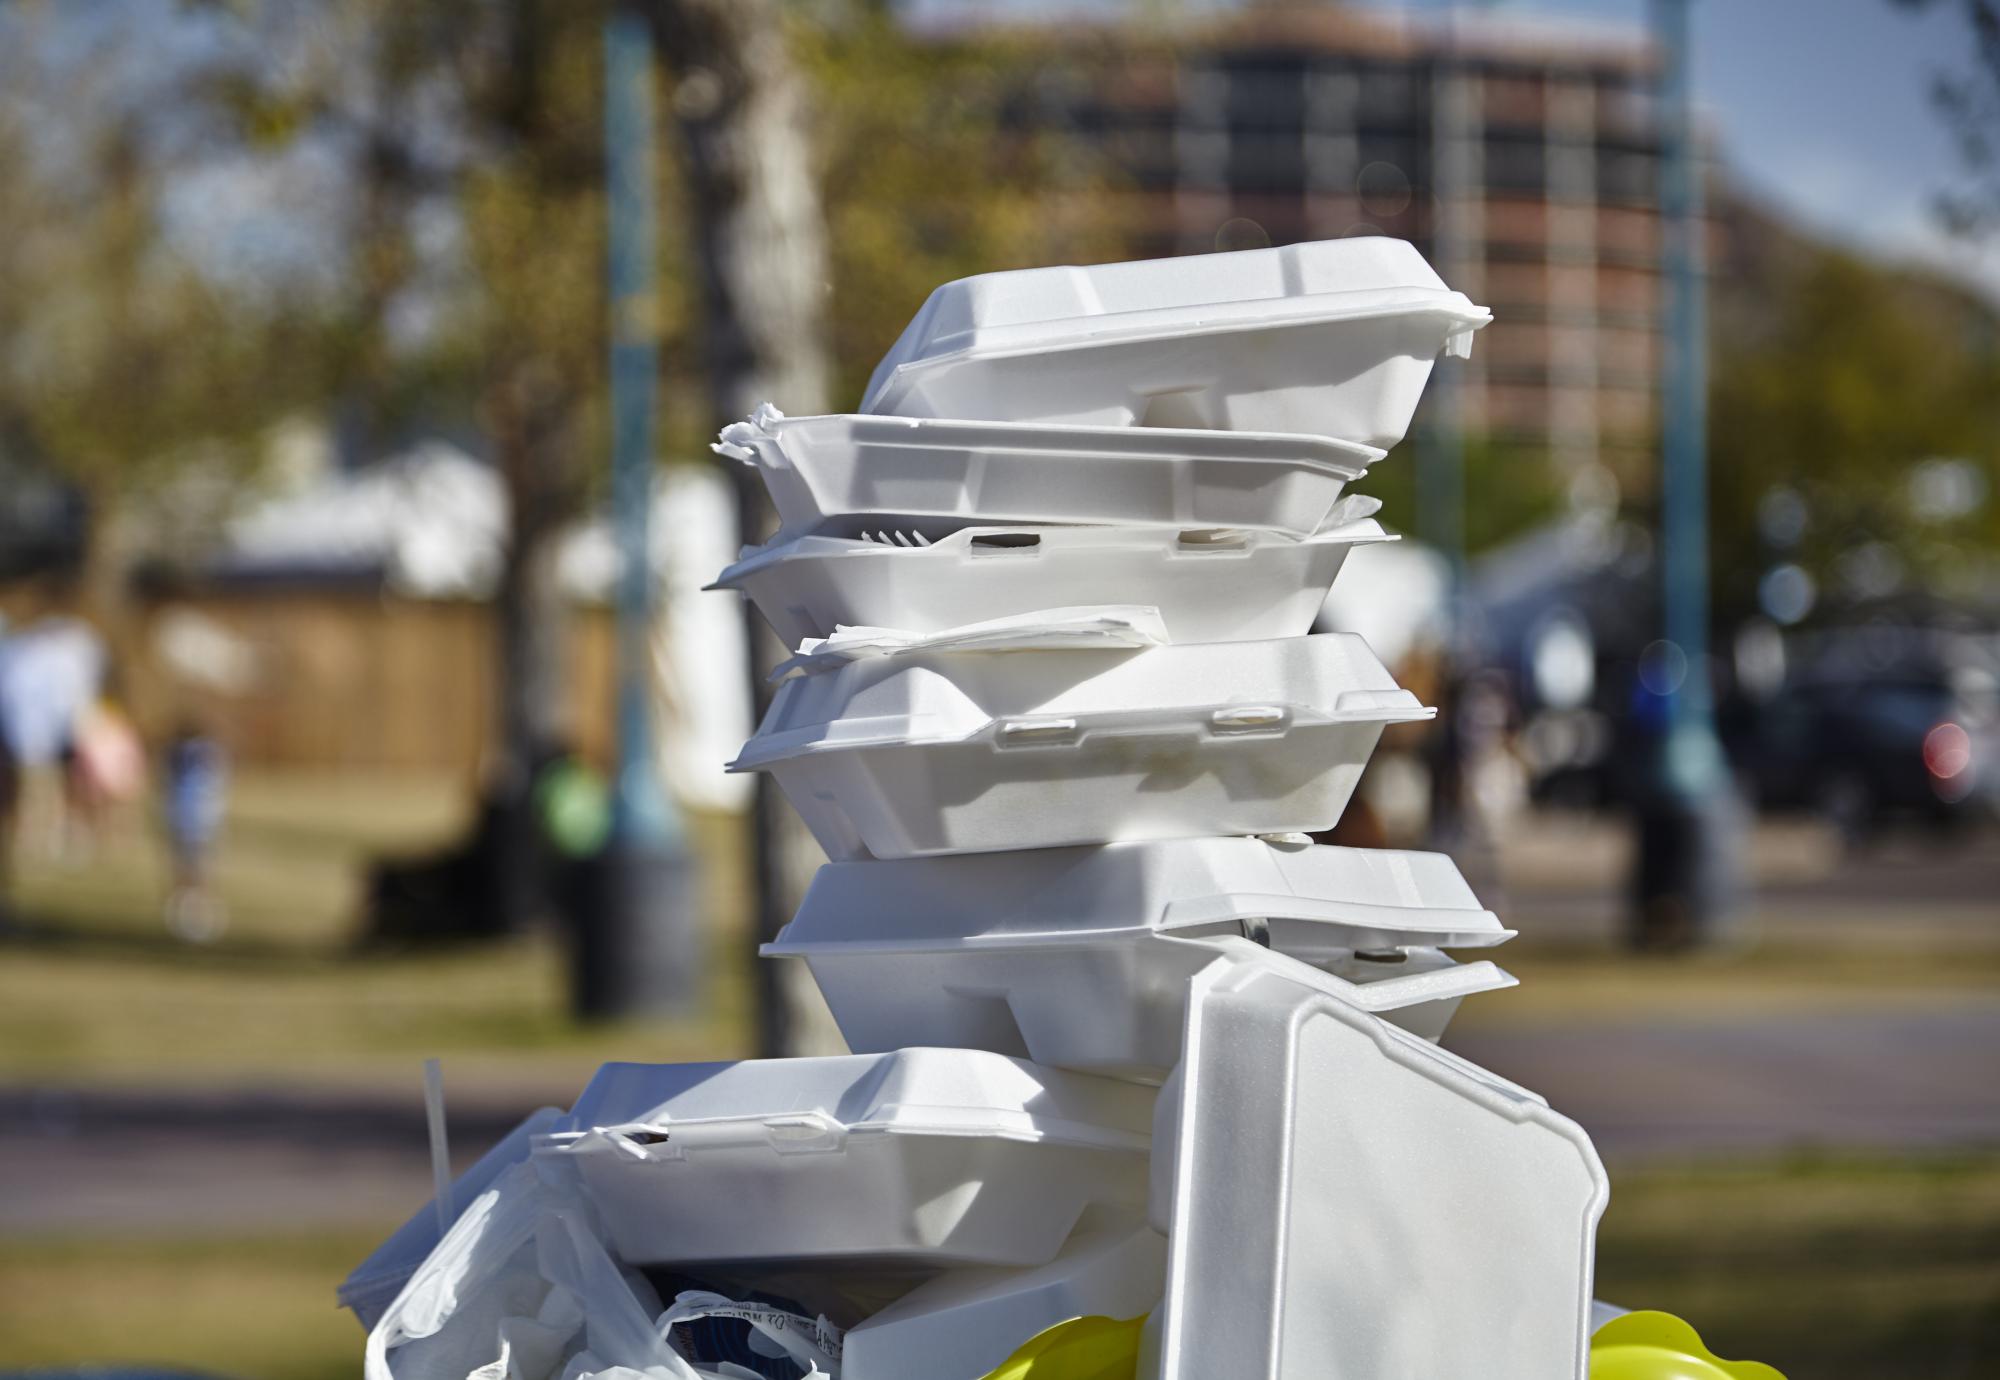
x=1862 y=749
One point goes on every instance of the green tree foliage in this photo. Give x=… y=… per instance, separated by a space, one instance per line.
x=926 y=178
x=1510 y=488
x=1833 y=384
x=124 y=366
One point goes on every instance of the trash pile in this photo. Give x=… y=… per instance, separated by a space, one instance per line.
x=1145 y=1084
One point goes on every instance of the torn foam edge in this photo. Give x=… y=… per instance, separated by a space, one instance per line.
x=1349 y=508
x=738 y=440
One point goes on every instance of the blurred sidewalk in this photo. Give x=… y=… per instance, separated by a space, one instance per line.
x=1892 y=1063
x=229 y=1161
x=1909 y=1078
x=1562 y=877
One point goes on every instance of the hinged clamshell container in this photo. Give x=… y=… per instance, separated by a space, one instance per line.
x=1341 y=1198
x=907 y=756
x=1210 y=585
x=1333 y=338
x=1080 y=958
x=1362 y=898
x=845 y=474
x=921 y=1157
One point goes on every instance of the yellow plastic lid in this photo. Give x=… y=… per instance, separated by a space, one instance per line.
x=1093 y=1348
x=1660 y=1346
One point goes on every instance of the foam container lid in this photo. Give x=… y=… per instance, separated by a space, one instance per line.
x=1096 y=343
x=1210 y=584
x=1400 y=1211
x=952 y=1092
x=936 y=473
x=916 y=1158
x=955 y=696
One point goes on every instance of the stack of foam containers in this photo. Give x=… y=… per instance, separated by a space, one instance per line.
x=1125 y=1042
x=1092 y=855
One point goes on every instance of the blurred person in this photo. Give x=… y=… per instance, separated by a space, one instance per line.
x=195 y=790
x=1496 y=783
x=51 y=671
x=104 y=767
x=10 y=800
x=1477 y=780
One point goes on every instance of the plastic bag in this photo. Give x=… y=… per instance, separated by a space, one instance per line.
x=801 y=1347
x=446 y=1320
x=522 y=1288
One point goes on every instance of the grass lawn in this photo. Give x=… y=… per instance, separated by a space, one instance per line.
x=1831 y=1269
x=1828 y=1268
x=99 y=992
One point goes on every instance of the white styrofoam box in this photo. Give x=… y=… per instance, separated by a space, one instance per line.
x=1398 y=1211
x=372 y=1284
x=921 y=1157
x=1103 y=1002
x=1317 y=900
x=1069 y=956
x=964 y=1323
x=937 y=474
x=914 y=755
x=1210 y=585
x=1334 y=338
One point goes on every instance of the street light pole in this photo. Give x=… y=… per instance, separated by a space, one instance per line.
x=1689 y=821
x=1458 y=190
x=1684 y=391
x=637 y=945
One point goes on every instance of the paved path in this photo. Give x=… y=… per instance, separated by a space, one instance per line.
x=237 y=1162
x=1564 y=878
x=230 y=1161
x=1909 y=1076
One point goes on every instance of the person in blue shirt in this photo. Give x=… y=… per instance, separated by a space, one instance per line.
x=196 y=783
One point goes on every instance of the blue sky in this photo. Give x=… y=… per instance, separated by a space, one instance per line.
x=1821 y=106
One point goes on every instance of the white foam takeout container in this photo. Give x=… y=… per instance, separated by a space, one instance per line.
x=1333 y=338
x=1080 y=957
x=1210 y=585
x=921 y=1157
x=1332 y=1187
x=954 y=752
x=844 y=474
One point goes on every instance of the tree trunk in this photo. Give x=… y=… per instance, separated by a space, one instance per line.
x=532 y=409
x=103 y=586
x=533 y=426
x=760 y=236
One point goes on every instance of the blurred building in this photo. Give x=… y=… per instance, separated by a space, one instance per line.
x=1520 y=156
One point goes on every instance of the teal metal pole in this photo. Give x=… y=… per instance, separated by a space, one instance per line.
x=1692 y=828
x=1684 y=392
x=637 y=941
x=641 y=810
